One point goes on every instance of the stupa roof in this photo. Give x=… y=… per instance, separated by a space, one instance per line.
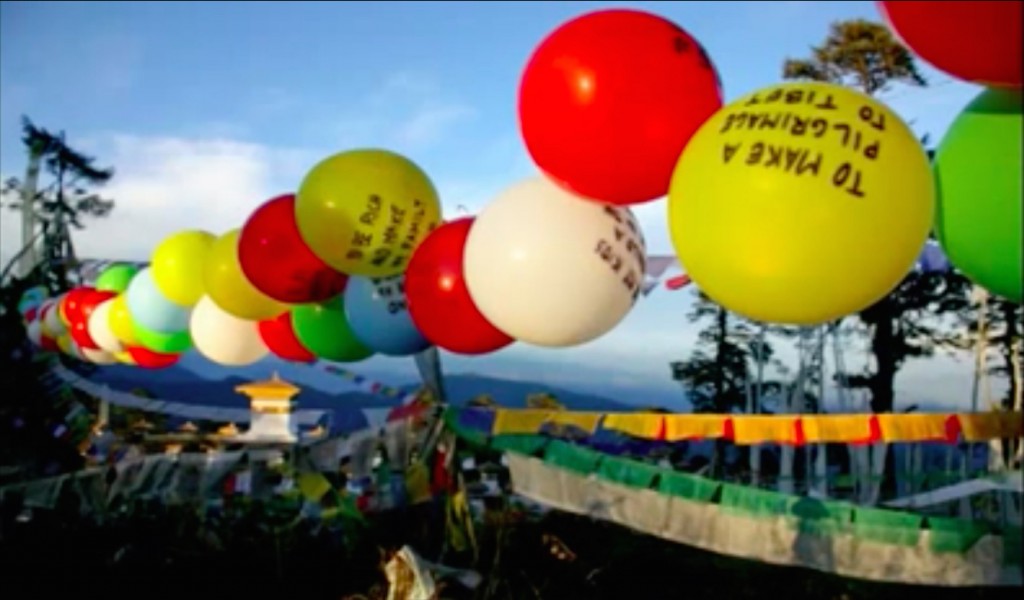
x=275 y=387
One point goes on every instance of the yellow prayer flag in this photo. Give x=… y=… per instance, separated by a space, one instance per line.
x=508 y=421
x=682 y=427
x=586 y=421
x=836 y=428
x=639 y=425
x=764 y=429
x=519 y=421
x=912 y=428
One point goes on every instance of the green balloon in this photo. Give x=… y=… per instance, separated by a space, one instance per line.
x=323 y=329
x=116 y=278
x=164 y=343
x=978 y=180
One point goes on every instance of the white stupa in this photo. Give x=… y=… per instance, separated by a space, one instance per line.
x=271 y=403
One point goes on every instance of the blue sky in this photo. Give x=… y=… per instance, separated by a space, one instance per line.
x=208 y=109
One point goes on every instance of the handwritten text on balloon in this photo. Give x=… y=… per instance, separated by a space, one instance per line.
x=391 y=290
x=798 y=160
x=624 y=251
x=398 y=245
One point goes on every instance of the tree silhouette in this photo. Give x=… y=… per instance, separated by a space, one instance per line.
x=993 y=328
x=48 y=209
x=1008 y=320
x=859 y=54
x=717 y=375
x=907 y=323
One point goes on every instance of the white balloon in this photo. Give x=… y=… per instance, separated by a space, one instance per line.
x=551 y=269
x=98 y=357
x=42 y=306
x=52 y=325
x=224 y=338
x=99 y=328
x=35 y=332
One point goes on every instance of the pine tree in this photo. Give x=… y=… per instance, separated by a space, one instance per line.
x=859 y=54
x=48 y=209
x=908 y=322
x=717 y=376
x=905 y=323
x=993 y=329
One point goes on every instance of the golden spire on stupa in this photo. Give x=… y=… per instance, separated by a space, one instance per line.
x=275 y=387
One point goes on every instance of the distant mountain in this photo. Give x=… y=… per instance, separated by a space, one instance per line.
x=462 y=388
x=177 y=384
x=403 y=376
x=180 y=384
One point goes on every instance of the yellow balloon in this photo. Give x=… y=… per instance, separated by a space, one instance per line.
x=124 y=358
x=363 y=212
x=62 y=310
x=66 y=344
x=801 y=203
x=228 y=286
x=45 y=329
x=177 y=265
x=121 y=322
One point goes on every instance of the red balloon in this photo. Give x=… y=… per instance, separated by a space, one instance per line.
x=279 y=336
x=609 y=100
x=439 y=302
x=71 y=305
x=147 y=359
x=278 y=262
x=85 y=303
x=48 y=343
x=974 y=41
x=79 y=331
x=91 y=300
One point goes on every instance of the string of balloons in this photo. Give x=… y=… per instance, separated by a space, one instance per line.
x=798 y=203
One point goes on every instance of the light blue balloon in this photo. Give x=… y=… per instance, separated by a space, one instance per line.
x=151 y=309
x=32 y=298
x=377 y=312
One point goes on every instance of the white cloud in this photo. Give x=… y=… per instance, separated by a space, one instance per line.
x=165 y=184
x=203 y=176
